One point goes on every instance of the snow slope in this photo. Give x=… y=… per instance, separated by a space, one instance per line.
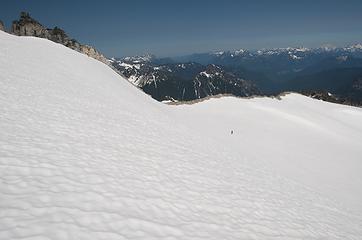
x=85 y=155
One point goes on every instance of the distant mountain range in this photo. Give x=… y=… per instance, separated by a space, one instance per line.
x=329 y=73
x=165 y=80
x=337 y=71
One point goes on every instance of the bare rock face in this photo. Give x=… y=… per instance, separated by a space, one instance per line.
x=27 y=26
x=2 y=28
x=93 y=53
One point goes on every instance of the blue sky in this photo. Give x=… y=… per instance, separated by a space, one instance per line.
x=170 y=28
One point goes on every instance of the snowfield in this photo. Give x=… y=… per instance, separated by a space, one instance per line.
x=86 y=155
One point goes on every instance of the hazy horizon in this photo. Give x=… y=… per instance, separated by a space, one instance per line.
x=167 y=29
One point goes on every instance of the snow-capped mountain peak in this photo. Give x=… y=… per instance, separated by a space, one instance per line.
x=218 y=53
x=353 y=48
x=139 y=59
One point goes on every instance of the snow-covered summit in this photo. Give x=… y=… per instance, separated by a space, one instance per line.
x=353 y=48
x=218 y=53
x=86 y=155
x=139 y=59
x=238 y=52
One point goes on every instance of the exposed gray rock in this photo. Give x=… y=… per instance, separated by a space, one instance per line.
x=27 y=26
x=2 y=28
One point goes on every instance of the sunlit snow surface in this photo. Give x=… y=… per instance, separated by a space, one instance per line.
x=85 y=155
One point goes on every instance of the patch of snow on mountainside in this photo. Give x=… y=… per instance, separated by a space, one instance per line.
x=238 y=52
x=86 y=155
x=127 y=66
x=218 y=53
x=139 y=59
x=294 y=56
x=204 y=73
x=353 y=48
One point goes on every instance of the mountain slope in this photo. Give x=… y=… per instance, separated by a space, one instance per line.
x=85 y=155
x=181 y=81
x=274 y=70
x=27 y=26
x=343 y=82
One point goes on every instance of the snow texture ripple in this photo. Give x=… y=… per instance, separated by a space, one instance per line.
x=85 y=155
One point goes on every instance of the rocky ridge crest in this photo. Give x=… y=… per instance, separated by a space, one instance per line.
x=27 y=26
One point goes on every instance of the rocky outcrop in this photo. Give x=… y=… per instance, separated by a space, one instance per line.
x=27 y=26
x=93 y=53
x=2 y=28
